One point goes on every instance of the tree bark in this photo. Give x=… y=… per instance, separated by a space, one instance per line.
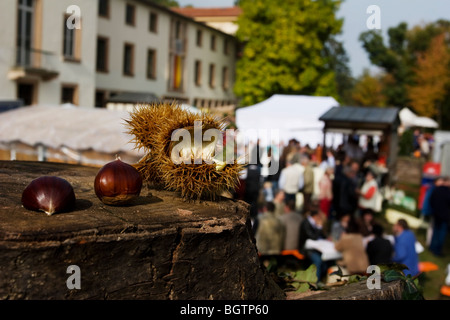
x=158 y=247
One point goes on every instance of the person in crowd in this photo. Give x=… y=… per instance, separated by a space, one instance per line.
x=405 y=247
x=326 y=191
x=312 y=228
x=351 y=245
x=365 y=222
x=328 y=160
x=416 y=143
x=341 y=162
x=270 y=233
x=424 y=146
x=379 y=249
x=274 y=170
x=339 y=226
x=359 y=176
x=440 y=207
x=353 y=149
x=252 y=188
x=291 y=221
x=348 y=198
x=279 y=203
x=318 y=153
x=367 y=195
x=427 y=211
x=308 y=182
x=291 y=178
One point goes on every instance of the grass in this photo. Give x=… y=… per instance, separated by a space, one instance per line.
x=433 y=280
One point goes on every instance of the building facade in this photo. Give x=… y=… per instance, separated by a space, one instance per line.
x=85 y=52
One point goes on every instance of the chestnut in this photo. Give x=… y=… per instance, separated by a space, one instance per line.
x=117 y=183
x=49 y=194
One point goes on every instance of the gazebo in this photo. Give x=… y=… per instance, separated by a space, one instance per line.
x=373 y=121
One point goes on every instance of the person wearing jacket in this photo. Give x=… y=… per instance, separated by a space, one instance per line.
x=405 y=248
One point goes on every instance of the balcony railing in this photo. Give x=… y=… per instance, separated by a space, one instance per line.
x=34 y=62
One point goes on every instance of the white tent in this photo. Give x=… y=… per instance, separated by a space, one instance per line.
x=410 y=119
x=292 y=116
x=77 y=128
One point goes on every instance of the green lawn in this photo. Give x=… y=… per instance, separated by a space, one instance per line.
x=433 y=280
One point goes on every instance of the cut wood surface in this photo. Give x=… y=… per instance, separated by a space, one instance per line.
x=158 y=247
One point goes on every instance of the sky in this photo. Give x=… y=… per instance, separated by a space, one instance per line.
x=355 y=15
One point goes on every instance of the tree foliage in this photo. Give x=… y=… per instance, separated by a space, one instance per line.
x=432 y=78
x=416 y=67
x=368 y=91
x=167 y=3
x=287 y=49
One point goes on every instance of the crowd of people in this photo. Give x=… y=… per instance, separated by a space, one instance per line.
x=327 y=194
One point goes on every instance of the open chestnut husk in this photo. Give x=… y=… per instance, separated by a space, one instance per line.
x=49 y=194
x=117 y=183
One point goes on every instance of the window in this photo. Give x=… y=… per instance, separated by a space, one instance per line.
x=225 y=78
x=25 y=17
x=151 y=64
x=130 y=15
x=153 y=22
x=71 y=42
x=199 y=38
x=103 y=8
x=212 y=71
x=198 y=73
x=128 y=59
x=69 y=94
x=226 y=47
x=100 y=99
x=102 y=54
x=177 y=54
x=213 y=42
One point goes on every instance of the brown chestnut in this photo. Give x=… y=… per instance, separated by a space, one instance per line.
x=49 y=194
x=117 y=183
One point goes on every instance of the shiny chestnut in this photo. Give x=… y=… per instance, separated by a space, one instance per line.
x=117 y=183
x=49 y=194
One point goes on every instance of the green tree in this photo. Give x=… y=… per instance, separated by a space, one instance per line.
x=368 y=91
x=287 y=48
x=167 y=3
x=432 y=79
x=398 y=57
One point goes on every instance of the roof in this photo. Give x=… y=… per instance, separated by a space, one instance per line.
x=78 y=128
x=134 y=97
x=209 y=12
x=361 y=117
x=175 y=13
x=293 y=116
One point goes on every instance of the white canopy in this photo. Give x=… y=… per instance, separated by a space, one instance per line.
x=293 y=116
x=410 y=119
x=78 y=128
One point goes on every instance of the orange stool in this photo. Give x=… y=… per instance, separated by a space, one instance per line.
x=294 y=253
x=426 y=266
x=445 y=291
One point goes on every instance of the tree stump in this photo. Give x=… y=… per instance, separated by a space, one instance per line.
x=354 y=291
x=159 y=247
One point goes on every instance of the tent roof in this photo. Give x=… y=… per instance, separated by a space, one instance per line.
x=369 y=118
x=295 y=116
x=79 y=128
x=410 y=119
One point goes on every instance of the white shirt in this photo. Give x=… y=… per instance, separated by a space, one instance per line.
x=291 y=178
